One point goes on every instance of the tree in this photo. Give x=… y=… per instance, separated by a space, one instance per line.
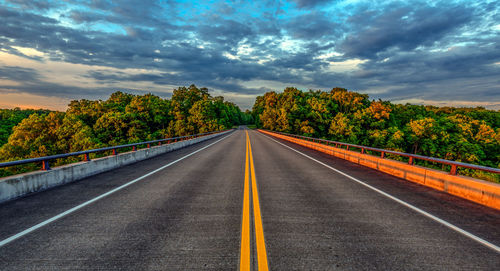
x=464 y=134
x=340 y=128
x=122 y=118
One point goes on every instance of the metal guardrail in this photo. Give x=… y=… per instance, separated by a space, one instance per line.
x=45 y=159
x=412 y=157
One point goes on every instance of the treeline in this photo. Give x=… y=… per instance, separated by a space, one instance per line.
x=121 y=119
x=11 y=117
x=470 y=135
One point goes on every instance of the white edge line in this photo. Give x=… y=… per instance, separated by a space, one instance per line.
x=416 y=209
x=67 y=212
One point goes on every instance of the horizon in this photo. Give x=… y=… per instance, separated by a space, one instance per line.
x=63 y=108
x=418 y=52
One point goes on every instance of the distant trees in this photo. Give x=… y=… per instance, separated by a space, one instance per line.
x=121 y=119
x=469 y=135
x=11 y=117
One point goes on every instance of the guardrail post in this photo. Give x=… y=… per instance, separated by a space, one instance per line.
x=412 y=158
x=453 y=170
x=45 y=165
x=87 y=157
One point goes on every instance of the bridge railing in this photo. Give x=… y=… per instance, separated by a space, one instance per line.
x=45 y=159
x=411 y=157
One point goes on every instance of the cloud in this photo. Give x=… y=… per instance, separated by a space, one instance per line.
x=403 y=28
x=400 y=50
x=14 y=73
x=33 y=84
x=32 y=4
x=309 y=3
x=173 y=79
x=313 y=25
x=80 y=17
x=225 y=32
x=30 y=81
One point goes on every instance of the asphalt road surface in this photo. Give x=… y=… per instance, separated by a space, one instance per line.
x=250 y=202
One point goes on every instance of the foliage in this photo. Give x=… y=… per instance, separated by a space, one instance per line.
x=11 y=117
x=470 y=135
x=121 y=119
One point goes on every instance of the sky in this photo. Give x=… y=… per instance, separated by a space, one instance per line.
x=444 y=53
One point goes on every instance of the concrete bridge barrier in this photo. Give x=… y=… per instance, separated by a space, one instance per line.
x=479 y=191
x=16 y=186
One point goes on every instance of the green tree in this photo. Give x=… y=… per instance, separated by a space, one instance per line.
x=470 y=135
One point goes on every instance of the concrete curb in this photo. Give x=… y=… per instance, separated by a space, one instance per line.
x=16 y=186
x=479 y=191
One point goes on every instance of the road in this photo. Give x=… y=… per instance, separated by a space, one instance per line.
x=249 y=203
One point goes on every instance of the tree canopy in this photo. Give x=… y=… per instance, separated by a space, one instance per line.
x=11 y=117
x=121 y=119
x=470 y=135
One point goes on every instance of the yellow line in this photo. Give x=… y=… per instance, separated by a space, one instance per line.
x=259 y=230
x=245 y=224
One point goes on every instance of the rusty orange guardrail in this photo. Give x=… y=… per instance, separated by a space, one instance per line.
x=483 y=192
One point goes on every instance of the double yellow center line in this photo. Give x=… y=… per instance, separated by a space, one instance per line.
x=245 y=225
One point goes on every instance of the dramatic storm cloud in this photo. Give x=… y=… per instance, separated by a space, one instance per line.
x=430 y=52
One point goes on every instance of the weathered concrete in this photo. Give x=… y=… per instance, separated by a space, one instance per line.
x=16 y=186
x=482 y=192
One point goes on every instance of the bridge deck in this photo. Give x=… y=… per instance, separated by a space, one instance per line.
x=188 y=216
